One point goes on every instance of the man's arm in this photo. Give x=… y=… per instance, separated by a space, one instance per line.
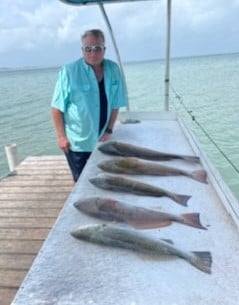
x=58 y=120
x=110 y=126
x=113 y=119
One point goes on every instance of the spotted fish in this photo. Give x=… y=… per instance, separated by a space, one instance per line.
x=138 y=217
x=116 y=148
x=121 y=184
x=135 y=166
x=115 y=236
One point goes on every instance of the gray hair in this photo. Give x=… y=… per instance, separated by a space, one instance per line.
x=94 y=32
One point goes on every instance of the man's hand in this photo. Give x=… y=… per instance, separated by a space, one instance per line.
x=63 y=143
x=105 y=137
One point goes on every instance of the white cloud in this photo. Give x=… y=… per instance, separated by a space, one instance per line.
x=138 y=29
x=66 y=29
x=69 y=27
x=195 y=15
x=44 y=15
x=23 y=29
x=51 y=27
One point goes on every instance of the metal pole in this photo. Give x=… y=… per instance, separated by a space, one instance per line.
x=166 y=80
x=115 y=46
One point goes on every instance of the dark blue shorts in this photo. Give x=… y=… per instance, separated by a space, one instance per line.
x=77 y=161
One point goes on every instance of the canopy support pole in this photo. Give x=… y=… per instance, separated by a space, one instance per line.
x=115 y=46
x=166 y=80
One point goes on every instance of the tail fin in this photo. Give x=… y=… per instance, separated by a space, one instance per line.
x=202 y=261
x=192 y=219
x=181 y=199
x=200 y=175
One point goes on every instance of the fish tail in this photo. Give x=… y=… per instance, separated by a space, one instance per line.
x=202 y=261
x=200 y=175
x=181 y=199
x=192 y=219
x=191 y=158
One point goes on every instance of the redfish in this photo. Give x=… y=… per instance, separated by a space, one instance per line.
x=115 y=236
x=121 y=184
x=134 y=166
x=129 y=150
x=138 y=217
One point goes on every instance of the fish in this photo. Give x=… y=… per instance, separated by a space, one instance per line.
x=135 y=166
x=121 y=237
x=135 y=216
x=122 y=149
x=121 y=184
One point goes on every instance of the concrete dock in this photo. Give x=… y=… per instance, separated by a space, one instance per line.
x=30 y=202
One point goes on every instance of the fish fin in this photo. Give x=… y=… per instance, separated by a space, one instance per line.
x=169 y=241
x=141 y=224
x=181 y=199
x=191 y=158
x=133 y=158
x=156 y=208
x=192 y=219
x=129 y=121
x=202 y=261
x=200 y=175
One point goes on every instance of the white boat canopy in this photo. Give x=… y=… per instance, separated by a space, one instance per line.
x=83 y=2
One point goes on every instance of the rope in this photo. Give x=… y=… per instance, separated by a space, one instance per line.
x=190 y=112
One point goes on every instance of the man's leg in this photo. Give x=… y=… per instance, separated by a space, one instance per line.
x=77 y=161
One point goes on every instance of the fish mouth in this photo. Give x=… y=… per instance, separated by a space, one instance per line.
x=85 y=231
x=109 y=147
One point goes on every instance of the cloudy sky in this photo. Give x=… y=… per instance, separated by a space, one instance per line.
x=47 y=32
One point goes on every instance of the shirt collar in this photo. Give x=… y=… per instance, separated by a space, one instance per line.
x=86 y=66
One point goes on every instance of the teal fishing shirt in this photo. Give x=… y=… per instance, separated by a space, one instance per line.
x=77 y=96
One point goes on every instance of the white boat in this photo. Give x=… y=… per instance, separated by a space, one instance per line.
x=70 y=271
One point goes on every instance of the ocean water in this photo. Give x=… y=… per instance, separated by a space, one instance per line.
x=205 y=87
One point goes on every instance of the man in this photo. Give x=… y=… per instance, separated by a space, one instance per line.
x=86 y=101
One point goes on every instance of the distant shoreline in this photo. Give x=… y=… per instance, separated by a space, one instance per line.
x=15 y=69
x=31 y=68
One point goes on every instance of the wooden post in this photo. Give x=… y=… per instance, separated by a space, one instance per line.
x=11 y=152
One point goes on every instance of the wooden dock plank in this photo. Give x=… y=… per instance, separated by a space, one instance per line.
x=11 y=278
x=30 y=201
x=16 y=261
x=39 y=177
x=24 y=233
x=27 y=222
x=27 y=212
x=38 y=162
x=53 y=158
x=7 y=294
x=44 y=196
x=42 y=171
x=8 y=246
x=28 y=189
x=19 y=204
x=43 y=166
x=41 y=181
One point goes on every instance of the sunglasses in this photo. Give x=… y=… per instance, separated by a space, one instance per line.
x=95 y=48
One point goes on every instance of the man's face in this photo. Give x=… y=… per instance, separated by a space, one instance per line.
x=93 y=50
